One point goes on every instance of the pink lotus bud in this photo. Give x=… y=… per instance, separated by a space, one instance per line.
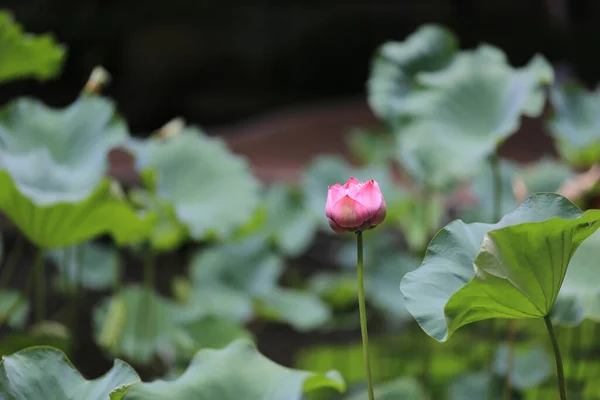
x=355 y=206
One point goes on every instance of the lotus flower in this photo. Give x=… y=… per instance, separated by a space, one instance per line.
x=355 y=206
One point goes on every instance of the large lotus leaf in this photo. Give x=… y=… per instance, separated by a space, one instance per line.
x=370 y=146
x=46 y=333
x=579 y=296
x=137 y=324
x=58 y=155
x=475 y=385
x=384 y=268
x=396 y=64
x=289 y=223
x=545 y=175
x=465 y=111
x=211 y=189
x=89 y=265
x=237 y=370
x=25 y=55
x=46 y=373
x=405 y=388
x=66 y=223
x=575 y=124
x=302 y=310
x=14 y=308
x=532 y=365
x=512 y=269
x=213 y=333
x=482 y=187
x=248 y=267
x=168 y=233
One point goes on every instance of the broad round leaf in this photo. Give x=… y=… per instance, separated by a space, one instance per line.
x=137 y=324
x=465 y=111
x=213 y=333
x=575 y=124
x=545 y=175
x=405 y=388
x=532 y=365
x=396 y=64
x=579 y=297
x=58 y=156
x=475 y=385
x=211 y=189
x=46 y=373
x=66 y=223
x=237 y=370
x=14 y=308
x=25 y=55
x=290 y=224
x=98 y=269
x=512 y=269
x=302 y=310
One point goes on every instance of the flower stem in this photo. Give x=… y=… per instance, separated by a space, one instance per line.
x=40 y=285
x=363 y=312
x=510 y=359
x=497 y=185
x=559 y=365
x=11 y=261
x=149 y=270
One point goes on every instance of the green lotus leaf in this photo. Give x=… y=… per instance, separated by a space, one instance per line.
x=512 y=269
x=532 y=365
x=575 y=124
x=303 y=310
x=212 y=190
x=475 y=385
x=289 y=223
x=89 y=265
x=370 y=146
x=66 y=223
x=47 y=333
x=14 y=308
x=58 y=155
x=46 y=373
x=545 y=175
x=210 y=332
x=168 y=233
x=396 y=65
x=25 y=55
x=464 y=111
x=137 y=324
x=482 y=188
x=405 y=388
x=237 y=370
x=579 y=297
x=385 y=266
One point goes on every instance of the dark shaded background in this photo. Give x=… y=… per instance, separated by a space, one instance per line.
x=220 y=62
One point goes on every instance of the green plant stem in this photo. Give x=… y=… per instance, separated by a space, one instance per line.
x=559 y=365
x=11 y=261
x=149 y=270
x=510 y=357
x=40 y=286
x=77 y=297
x=497 y=187
x=26 y=293
x=363 y=312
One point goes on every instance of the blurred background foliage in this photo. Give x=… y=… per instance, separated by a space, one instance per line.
x=202 y=253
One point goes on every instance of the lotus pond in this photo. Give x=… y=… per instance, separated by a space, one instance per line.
x=202 y=282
